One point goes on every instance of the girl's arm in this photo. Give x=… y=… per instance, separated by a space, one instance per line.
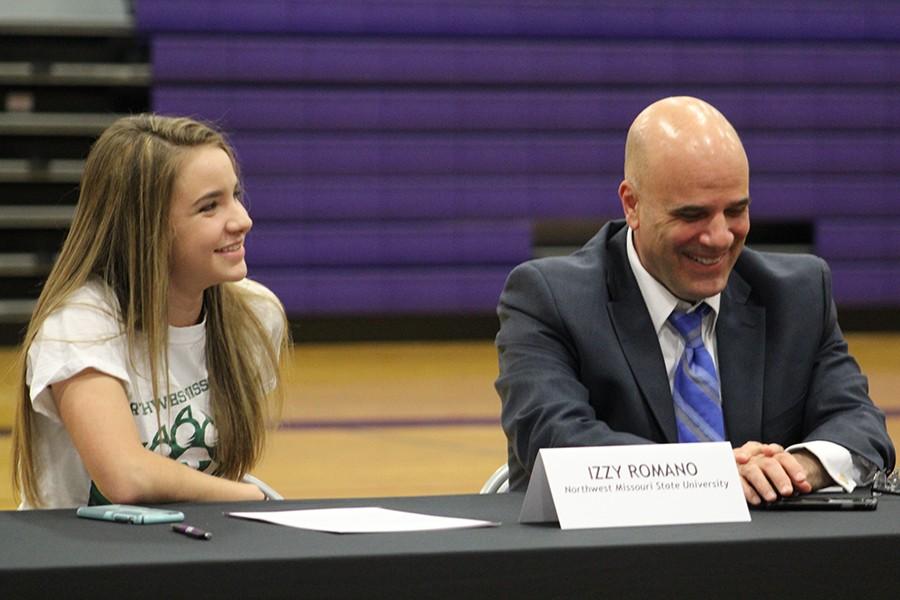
x=94 y=410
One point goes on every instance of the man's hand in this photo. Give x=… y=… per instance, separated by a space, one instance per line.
x=767 y=471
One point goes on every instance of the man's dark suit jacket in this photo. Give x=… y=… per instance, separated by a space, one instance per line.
x=580 y=362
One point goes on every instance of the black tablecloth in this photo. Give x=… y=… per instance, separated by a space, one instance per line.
x=51 y=554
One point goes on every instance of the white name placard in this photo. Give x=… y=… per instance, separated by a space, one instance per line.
x=625 y=486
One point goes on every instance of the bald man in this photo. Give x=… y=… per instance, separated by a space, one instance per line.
x=594 y=350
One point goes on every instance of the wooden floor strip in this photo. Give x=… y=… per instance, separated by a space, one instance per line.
x=412 y=418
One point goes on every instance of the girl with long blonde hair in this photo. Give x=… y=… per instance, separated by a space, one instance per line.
x=150 y=360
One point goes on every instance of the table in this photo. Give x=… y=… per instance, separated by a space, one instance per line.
x=51 y=554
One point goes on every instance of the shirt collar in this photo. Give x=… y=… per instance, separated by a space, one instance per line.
x=659 y=300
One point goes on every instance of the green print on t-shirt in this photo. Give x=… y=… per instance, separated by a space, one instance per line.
x=171 y=400
x=190 y=440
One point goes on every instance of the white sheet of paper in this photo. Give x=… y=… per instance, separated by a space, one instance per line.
x=366 y=519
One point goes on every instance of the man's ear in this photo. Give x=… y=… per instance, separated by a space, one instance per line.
x=629 y=203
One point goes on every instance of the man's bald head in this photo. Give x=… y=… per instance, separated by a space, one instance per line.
x=686 y=195
x=679 y=127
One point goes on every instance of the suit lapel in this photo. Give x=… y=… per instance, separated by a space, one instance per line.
x=637 y=337
x=741 y=341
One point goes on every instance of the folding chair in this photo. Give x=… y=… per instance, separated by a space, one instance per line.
x=498 y=483
x=265 y=488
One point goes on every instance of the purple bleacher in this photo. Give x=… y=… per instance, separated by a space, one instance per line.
x=205 y=58
x=536 y=153
x=441 y=109
x=385 y=291
x=814 y=20
x=279 y=108
x=382 y=244
x=395 y=153
x=866 y=284
x=806 y=198
x=368 y=198
x=863 y=239
x=426 y=154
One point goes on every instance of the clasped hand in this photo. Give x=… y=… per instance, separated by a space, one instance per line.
x=768 y=471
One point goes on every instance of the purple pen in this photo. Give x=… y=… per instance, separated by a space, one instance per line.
x=194 y=532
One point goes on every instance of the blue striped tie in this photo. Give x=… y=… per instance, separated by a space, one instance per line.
x=698 y=409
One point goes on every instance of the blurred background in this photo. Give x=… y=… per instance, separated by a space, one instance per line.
x=400 y=157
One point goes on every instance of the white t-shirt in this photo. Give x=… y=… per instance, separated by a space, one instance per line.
x=86 y=333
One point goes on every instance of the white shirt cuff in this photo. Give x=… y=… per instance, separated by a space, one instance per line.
x=846 y=469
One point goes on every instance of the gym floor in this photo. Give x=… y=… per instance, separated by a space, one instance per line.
x=399 y=419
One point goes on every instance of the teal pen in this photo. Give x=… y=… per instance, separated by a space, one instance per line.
x=194 y=532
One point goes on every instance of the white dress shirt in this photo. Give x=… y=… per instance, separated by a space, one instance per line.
x=846 y=469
